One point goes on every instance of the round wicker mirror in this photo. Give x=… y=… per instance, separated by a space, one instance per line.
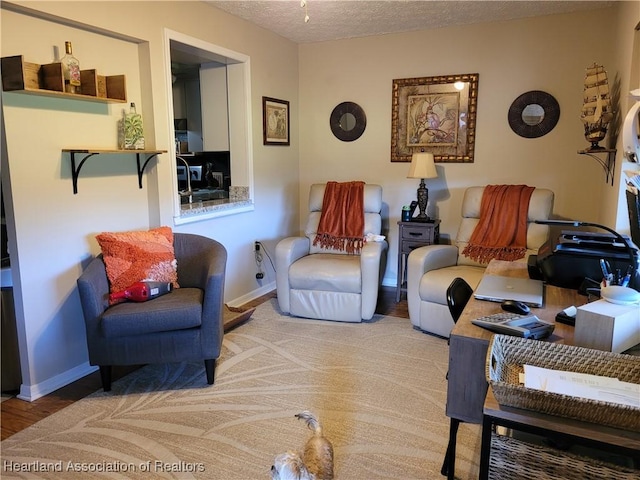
x=533 y=114
x=348 y=121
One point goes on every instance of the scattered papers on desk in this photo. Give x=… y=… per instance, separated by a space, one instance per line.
x=593 y=387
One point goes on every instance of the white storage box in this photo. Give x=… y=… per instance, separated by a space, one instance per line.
x=607 y=326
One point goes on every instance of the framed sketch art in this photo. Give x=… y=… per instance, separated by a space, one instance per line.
x=436 y=115
x=275 y=121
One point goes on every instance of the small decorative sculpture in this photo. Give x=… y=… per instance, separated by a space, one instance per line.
x=597 y=110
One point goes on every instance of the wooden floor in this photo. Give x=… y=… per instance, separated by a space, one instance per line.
x=19 y=414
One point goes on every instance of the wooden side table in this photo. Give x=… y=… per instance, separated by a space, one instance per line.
x=411 y=236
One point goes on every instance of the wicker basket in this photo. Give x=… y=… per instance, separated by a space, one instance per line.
x=507 y=355
x=517 y=460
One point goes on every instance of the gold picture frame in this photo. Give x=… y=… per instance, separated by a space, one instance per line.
x=436 y=115
x=275 y=121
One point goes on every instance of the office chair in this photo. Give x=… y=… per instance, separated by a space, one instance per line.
x=458 y=294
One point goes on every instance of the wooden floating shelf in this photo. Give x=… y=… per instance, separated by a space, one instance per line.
x=48 y=80
x=90 y=152
x=75 y=96
x=112 y=150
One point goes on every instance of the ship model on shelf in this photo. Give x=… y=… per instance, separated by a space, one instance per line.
x=597 y=111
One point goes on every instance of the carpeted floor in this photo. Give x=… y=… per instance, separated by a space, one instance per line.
x=378 y=388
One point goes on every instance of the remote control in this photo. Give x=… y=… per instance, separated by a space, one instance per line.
x=527 y=326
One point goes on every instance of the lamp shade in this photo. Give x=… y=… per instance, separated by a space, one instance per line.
x=422 y=166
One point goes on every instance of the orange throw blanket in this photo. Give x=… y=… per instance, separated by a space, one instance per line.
x=501 y=232
x=341 y=224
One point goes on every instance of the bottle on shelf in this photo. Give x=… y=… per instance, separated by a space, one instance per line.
x=132 y=130
x=141 y=291
x=71 y=70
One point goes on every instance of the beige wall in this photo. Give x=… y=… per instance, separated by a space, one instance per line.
x=54 y=229
x=545 y=53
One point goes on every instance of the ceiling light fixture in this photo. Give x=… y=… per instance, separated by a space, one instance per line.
x=303 y=4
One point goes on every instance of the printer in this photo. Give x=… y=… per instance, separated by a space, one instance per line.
x=573 y=256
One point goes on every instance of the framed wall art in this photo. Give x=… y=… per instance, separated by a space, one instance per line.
x=436 y=115
x=275 y=121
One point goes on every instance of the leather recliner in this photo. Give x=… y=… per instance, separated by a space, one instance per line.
x=432 y=268
x=315 y=282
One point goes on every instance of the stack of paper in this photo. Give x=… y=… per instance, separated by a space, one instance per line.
x=593 y=387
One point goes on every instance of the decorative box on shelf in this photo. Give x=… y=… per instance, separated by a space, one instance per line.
x=112 y=86
x=48 y=80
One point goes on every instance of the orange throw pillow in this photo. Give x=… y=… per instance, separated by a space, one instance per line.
x=131 y=257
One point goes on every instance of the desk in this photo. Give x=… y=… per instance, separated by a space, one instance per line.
x=467 y=383
x=586 y=433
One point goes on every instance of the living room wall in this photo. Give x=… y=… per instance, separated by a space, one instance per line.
x=543 y=53
x=53 y=230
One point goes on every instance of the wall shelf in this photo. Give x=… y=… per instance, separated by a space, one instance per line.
x=605 y=157
x=73 y=96
x=47 y=80
x=90 y=152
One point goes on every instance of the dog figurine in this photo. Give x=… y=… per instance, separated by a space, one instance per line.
x=316 y=461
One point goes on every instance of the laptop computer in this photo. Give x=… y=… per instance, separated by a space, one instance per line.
x=496 y=288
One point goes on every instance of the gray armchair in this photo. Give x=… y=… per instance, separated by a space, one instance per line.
x=183 y=325
x=314 y=282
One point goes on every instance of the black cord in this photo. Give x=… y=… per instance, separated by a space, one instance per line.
x=267 y=254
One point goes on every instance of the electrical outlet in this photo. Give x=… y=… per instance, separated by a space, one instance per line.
x=196 y=172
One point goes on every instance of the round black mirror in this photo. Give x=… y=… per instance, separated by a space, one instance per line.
x=533 y=114
x=348 y=121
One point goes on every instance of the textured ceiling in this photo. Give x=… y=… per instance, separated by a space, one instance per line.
x=337 y=19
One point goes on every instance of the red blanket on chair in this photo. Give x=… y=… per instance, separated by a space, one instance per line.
x=341 y=224
x=501 y=232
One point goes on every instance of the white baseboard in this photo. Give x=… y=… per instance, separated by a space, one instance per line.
x=252 y=295
x=33 y=392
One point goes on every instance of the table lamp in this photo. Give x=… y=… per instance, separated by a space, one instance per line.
x=422 y=167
